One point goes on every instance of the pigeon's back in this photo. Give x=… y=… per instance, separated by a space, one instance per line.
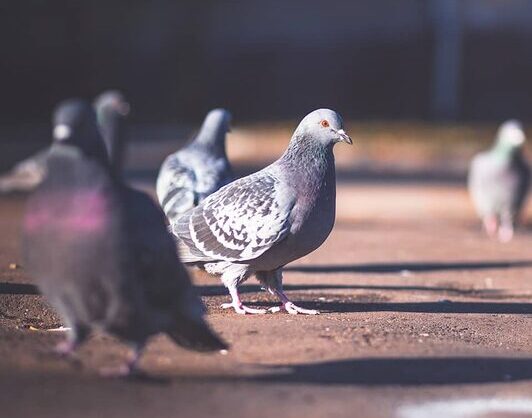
x=188 y=176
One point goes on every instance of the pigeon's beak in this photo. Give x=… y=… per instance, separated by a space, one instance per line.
x=343 y=137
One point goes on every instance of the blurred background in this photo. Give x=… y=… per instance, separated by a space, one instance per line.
x=423 y=83
x=417 y=59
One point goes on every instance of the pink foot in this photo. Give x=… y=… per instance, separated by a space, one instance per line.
x=505 y=234
x=64 y=348
x=243 y=309
x=294 y=309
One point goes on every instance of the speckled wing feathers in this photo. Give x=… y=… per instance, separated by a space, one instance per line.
x=176 y=187
x=240 y=221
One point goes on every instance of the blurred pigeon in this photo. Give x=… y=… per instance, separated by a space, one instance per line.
x=259 y=223
x=111 y=112
x=191 y=174
x=111 y=108
x=499 y=180
x=100 y=250
x=26 y=174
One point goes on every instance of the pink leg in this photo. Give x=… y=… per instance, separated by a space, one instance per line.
x=238 y=306
x=289 y=306
x=491 y=225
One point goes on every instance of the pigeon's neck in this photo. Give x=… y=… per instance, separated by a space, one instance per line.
x=89 y=142
x=211 y=137
x=62 y=157
x=506 y=151
x=113 y=130
x=311 y=162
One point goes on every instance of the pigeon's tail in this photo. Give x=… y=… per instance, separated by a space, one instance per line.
x=188 y=254
x=197 y=336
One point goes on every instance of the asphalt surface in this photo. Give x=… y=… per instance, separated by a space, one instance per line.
x=417 y=308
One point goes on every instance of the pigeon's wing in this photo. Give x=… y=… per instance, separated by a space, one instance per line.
x=239 y=222
x=482 y=175
x=523 y=184
x=165 y=283
x=176 y=186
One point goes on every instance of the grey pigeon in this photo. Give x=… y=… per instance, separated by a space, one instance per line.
x=111 y=108
x=194 y=172
x=101 y=252
x=499 y=181
x=259 y=223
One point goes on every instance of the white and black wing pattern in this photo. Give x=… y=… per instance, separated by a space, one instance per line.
x=240 y=221
x=175 y=188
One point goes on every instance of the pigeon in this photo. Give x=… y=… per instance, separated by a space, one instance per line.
x=499 y=181
x=111 y=108
x=259 y=223
x=100 y=251
x=191 y=174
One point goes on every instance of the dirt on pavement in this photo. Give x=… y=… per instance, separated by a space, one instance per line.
x=417 y=306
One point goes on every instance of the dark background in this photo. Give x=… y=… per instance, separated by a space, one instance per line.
x=392 y=59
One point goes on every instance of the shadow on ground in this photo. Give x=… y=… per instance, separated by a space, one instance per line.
x=405 y=371
x=18 y=289
x=408 y=266
x=214 y=290
x=428 y=307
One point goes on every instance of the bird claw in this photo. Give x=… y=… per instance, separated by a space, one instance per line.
x=243 y=309
x=293 y=309
x=64 y=348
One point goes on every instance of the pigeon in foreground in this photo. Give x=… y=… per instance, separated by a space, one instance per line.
x=191 y=174
x=499 y=181
x=111 y=108
x=259 y=223
x=101 y=252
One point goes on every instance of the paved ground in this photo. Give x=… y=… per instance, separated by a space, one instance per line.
x=417 y=307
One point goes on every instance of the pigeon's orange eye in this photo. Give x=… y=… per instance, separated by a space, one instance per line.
x=324 y=123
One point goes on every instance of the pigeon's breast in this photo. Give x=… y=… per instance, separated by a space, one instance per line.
x=312 y=220
x=79 y=212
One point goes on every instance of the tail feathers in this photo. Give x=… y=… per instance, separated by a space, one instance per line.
x=197 y=336
x=187 y=256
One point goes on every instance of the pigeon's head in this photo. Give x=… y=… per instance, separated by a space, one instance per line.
x=511 y=135
x=74 y=123
x=111 y=102
x=218 y=120
x=325 y=126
